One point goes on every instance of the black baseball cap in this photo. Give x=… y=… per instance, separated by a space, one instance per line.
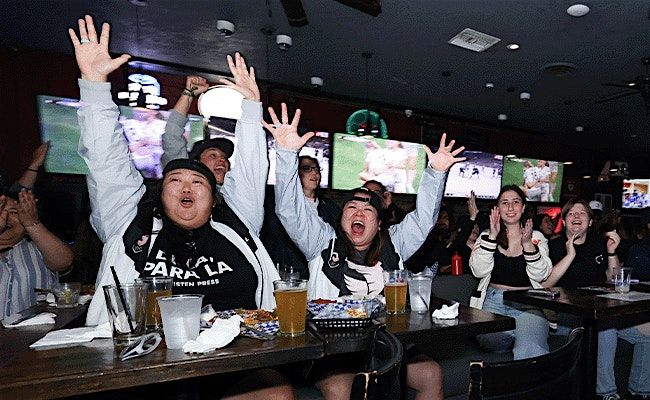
x=374 y=200
x=194 y=165
x=223 y=144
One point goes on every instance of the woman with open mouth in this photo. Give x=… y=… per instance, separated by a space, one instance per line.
x=351 y=259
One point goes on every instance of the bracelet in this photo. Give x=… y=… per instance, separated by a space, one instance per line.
x=32 y=225
x=32 y=169
x=189 y=93
x=611 y=254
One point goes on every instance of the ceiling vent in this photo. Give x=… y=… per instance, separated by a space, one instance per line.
x=473 y=40
x=558 y=69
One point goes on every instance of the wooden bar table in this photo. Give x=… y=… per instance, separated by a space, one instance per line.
x=93 y=367
x=596 y=313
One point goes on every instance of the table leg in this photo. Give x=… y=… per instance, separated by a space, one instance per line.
x=589 y=359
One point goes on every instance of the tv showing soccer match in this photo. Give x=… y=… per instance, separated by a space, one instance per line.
x=143 y=129
x=541 y=180
x=358 y=159
x=480 y=172
x=635 y=193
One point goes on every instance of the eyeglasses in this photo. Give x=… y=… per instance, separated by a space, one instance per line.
x=143 y=346
x=307 y=169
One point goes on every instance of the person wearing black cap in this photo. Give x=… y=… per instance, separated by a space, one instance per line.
x=177 y=233
x=352 y=258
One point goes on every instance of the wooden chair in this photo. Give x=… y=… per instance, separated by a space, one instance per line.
x=383 y=376
x=551 y=376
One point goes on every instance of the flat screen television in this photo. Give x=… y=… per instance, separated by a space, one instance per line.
x=635 y=193
x=541 y=180
x=317 y=147
x=480 y=172
x=357 y=159
x=143 y=129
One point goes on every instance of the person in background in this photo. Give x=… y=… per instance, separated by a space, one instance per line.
x=598 y=213
x=282 y=249
x=638 y=257
x=581 y=257
x=176 y=234
x=30 y=255
x=511 y=255
x=28 y=178
x=545 y=224
x=392 y=213
x=352 y=259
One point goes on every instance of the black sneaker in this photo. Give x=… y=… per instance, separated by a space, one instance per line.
x=638 y=396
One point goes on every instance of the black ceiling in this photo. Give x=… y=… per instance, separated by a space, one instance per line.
x=408 y=40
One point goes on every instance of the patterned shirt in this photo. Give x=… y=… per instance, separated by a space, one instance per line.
x=22 y=269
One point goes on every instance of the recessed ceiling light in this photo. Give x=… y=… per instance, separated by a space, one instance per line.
x=568 y=163
x=502 y=117
x=587 y=177
x=632 y=84
x=578 y=10
x=579 y=128
x=489 y=85
x=513 y=46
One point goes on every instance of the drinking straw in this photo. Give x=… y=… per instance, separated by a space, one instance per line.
x=119 y=292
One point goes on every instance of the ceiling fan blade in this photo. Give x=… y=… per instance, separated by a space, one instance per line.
x=621 y=85
x=615 y=97
x=296 y=15
x=372 y=7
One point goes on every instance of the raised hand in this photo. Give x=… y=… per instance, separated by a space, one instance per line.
x=4 y=213
x=527 y=233
x=570 y=245
x=244 y=78
x=38 y=157
x=27 y=213
x=471 y=206
x=613 y=240
x=445 y=157
x=92 y=53
x=285 y=134
x=196 y=84
x=495 y=223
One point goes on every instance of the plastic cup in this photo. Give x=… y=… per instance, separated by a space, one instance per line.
x=156 y=287
x=291 y=305
x=67 y=294
x=395 y=285
x=181 y=317
x=135 y=298
x=622 y=280
x=420 y=292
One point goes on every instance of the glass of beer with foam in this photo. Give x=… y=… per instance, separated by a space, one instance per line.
x=395 y=291
x=291 y=305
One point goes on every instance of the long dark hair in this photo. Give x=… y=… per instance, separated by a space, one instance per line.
x=502 y=236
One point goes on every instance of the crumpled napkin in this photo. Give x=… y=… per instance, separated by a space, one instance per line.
x=74 y=336
x=222 y=332
x=446 y=312
x=43 y=318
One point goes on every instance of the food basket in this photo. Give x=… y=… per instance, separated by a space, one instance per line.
x=343 y=313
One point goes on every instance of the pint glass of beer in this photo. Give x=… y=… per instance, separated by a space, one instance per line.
x=156 y=287
x=291 y=305
x=395 y=291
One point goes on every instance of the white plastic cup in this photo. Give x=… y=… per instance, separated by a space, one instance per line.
x=181 y=317
x=420 y=292
x=622 y=280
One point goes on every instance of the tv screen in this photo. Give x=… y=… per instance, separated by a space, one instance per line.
x=480 y=172
x=635 y=193
x=357 y=159
x=317 y=147
x=143 y=129
x=541 y=180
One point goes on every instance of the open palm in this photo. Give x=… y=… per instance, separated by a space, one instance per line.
x=445 y=157
x=95 y=63
x=285 y=134
x=244 y=78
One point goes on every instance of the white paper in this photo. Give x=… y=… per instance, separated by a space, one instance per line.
x=43 y=318
x=446 y=312
x=63 y=337
x=222 y=332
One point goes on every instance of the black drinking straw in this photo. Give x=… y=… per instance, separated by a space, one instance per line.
x=119 y=292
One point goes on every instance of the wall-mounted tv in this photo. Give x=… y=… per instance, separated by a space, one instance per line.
x=480 y=172
x=541 y=180
x=143 y=129
x=317 y=147
x=635 y=193
x=357 y=159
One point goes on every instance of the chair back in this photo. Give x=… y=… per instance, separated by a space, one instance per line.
x=382 y=377
x=552 y=376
